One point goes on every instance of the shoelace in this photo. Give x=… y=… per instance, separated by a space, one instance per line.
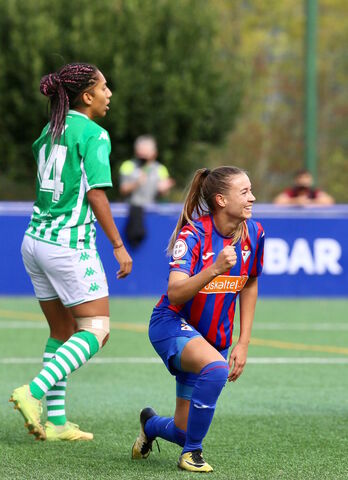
x=150 y=446
x=197 y=456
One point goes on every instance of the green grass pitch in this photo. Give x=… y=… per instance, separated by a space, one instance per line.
x=285 y=418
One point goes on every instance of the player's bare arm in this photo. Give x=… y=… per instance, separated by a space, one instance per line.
x=101 y=209
x=247 y=303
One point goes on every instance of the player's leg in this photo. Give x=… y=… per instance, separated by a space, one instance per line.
x=62 y=326
x=78 y=278
x=92 y=321
x=28 y=406
x=152 y=426
x=69 y=273
x=172 y=429
x=169 y=349
x=199 y=357
x=71 y=355
x=203 y=386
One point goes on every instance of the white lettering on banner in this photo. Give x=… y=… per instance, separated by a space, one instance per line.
x=301 y=257
x=327 y=252
x=323 y=258
x=276 y=256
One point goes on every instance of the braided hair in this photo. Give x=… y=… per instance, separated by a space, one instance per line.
x=64 y=89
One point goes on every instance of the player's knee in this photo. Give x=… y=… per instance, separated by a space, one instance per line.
x=99 y=326
x=216 y=373
x=210 y=382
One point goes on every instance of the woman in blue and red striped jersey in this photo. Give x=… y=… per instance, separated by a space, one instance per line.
x=216 y=254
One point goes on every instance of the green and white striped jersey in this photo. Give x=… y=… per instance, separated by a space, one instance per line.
x=65 y=173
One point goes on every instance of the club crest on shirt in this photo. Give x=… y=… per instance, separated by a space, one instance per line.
x=184 y=326
x=246 y=253
x=180 y=248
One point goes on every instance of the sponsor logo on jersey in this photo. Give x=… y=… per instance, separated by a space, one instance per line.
x=94 y=287
x=84 y=256
x=208 y=255
x=103 y=136
x=225 y=284
x=186 y=232
x=179 y=250
x=89 y=271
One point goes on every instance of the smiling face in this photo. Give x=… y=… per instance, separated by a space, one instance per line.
x=97 y=98
x=238 y=201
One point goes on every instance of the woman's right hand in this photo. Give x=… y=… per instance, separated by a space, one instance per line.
x=226 y=259
x=125 y=261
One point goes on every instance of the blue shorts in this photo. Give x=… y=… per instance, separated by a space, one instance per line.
x=169 y=334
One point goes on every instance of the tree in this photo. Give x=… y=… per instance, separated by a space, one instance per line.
x=269 y=136
x=161 y=58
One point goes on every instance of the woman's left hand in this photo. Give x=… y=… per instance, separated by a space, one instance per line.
x=125 y=261
x=237 y=361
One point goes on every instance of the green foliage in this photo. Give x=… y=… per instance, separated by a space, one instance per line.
x=269 y=136
x=161 y=59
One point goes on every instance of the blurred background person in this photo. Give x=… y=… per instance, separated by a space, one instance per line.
x=142 y=180
x=303 y=192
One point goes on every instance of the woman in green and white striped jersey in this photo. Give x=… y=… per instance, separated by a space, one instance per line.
x=59 y=248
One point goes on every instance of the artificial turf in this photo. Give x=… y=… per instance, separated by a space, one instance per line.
x=278 y=421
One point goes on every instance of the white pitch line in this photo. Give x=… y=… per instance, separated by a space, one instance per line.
x=22 y=324
x=25 y=324
x=301 y=326
x=156 y=360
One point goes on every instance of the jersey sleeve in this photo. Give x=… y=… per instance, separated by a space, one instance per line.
x=96 y=161
x=128 y=172
x=163 y=173
x=185 y=251
x=258 y=260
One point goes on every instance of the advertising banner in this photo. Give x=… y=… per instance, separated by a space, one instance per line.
x=306 y=251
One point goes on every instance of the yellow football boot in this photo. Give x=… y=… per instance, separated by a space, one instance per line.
x=31 y=410
x=69 y=432
x=142 y=446
x=194 y=462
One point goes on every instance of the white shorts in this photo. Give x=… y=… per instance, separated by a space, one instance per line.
x=73 y=276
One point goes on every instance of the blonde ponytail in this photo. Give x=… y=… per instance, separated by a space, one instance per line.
x=194 y=205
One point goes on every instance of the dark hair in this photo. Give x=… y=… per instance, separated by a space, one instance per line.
x=64 y=89
x=200 y=198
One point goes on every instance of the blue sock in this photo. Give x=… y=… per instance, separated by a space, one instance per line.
x=206 y=391
x=164 y=427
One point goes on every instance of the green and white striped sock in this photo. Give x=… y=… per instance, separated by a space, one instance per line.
x=56 y=395
x=69 y=357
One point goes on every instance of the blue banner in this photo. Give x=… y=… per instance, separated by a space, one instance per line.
x=306 y=251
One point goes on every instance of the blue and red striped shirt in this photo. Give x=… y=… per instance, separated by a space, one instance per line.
x=211 y=311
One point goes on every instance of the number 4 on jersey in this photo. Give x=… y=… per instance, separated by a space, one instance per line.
x=50 y=171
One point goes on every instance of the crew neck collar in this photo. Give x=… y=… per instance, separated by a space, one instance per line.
x=75 y=112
